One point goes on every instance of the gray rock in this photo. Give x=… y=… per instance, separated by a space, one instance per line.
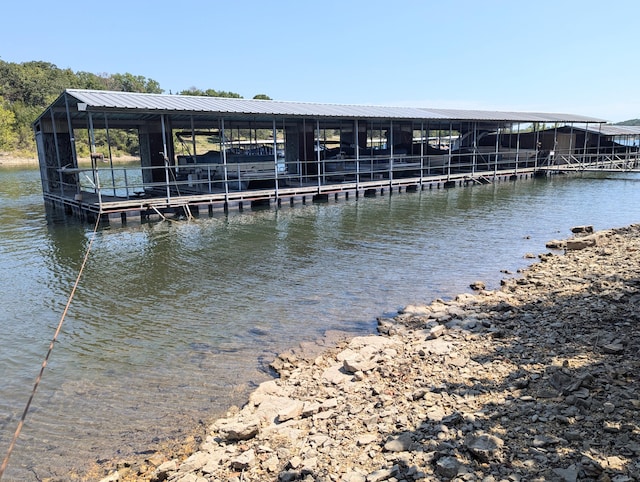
x=613 y=349
x=401 y=443
x=240 y=430
x=570 y=474
x=244 y=460
x=436 y=332
x=447 y=467
x=477 y=285
x=380 y=475
x=484 y=447
x=358 y=364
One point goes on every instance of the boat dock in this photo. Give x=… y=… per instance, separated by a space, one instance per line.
x=197 y=155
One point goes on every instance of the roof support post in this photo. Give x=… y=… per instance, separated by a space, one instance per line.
x=304 y=150
x=57 y=146
x=497 y=148
x=555 y=144
x=571 y=146
x=356 y=137
x=585 y=156
x=474 y=158
x=72 y=142
x=423 y=136
x=275 y=156
x=537 y=135
x=72 y=139
x=613 y=150
x=113 y=178
x=517 y=148
x=449 y=156
x=223 y=153
x=318 y=150
x=598 y=146
x=165 y=156
x=391 y=152
x=94 y=173
x=92 y=146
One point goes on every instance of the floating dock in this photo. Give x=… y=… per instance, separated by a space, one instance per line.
x=202 y=154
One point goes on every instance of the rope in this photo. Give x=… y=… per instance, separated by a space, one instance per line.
x=5 y=462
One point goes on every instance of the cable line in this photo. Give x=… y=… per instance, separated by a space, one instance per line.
x=5 y=462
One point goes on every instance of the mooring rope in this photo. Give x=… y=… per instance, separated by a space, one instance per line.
x=5 y=462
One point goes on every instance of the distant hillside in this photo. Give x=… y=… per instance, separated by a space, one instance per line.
x=630 y=122
x=27 y=88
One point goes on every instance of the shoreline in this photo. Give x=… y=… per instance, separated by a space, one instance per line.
x=12 y=161
x=535 y=380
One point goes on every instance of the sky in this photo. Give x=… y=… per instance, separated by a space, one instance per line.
x=565 y=56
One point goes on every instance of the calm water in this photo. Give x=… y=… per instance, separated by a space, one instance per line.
x=172 y=323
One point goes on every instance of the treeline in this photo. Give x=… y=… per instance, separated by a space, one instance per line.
x=630 y=122
x=27 y=88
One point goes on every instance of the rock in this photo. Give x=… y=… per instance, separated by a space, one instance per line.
x=271 y=464
x=613 y=349
x=555 y=244
x=416 y=310
x=436 y=347
x=570 y=474
x=595 y=239
x=336 y=375
x=477 y=285
x=401 y=443
x=380 y=475
x=447 y=467
x=239 y=430
x=114 y=477
x=582 y=229
x=366 y=439
x=358 y=364
x=244 y=460
x=608 y=408
x=436 y=332
x=484 y=447
x=170 y=466
x=290 y=410
x=194 y=462
x=353 y=477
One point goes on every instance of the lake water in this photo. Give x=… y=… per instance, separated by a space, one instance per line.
x=174 y=322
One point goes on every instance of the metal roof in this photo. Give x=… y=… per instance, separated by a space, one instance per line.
x=105 y=101
x=615 y=130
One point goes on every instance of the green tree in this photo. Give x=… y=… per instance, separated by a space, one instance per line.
x=210 y=93
x=134 y=83
x=7 y=127
x=262 y=97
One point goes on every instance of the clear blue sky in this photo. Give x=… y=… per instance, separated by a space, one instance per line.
x=570 y=56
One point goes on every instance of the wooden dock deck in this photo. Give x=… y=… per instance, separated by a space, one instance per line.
x=155 y=204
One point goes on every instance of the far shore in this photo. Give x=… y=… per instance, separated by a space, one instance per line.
x=12 y=161
x=8 y=160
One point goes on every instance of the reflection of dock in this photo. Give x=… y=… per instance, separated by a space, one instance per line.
x=201 y=154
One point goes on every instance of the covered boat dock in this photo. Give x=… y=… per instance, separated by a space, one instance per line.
x=206 y=153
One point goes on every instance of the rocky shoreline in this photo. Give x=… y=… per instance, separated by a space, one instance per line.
x=535 y=381
x=11 y=161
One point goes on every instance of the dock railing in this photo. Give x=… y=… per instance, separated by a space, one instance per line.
x=134 y=182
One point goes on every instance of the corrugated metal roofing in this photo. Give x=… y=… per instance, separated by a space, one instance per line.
x=615 y=130
x=102 y=100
